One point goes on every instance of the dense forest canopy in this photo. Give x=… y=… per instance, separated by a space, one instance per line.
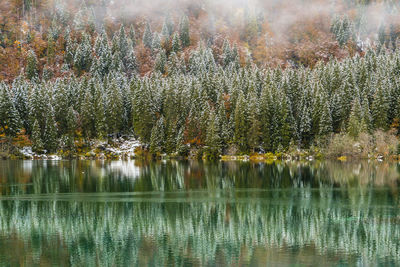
x=267 y=33
x=228 y=76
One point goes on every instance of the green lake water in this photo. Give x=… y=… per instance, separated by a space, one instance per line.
x=189 y=213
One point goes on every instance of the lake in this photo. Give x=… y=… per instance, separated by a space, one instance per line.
x=190 y=213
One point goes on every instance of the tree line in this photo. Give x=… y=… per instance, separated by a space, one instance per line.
x=202 y=101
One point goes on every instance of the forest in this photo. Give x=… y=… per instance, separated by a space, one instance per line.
x=199 y=78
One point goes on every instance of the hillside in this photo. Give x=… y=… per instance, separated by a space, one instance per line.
x=211 y=78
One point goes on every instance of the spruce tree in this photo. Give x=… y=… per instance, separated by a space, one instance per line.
x=50 y=132
x=99 y=112
x=176 y=43
x=9 y=117
x=353 y=127
x=31 y=66
x=184 y=31
x=380 y=110
x=132 y=35
x=325 y=122
x=156 y=43
x=37 y=144
x=213 y=136
x=83 y=55
x=160 y=62
x=147 y=36
x=87 y=114
x=157 y=138
x=114 y=107
x=241 y=123
x=254 y=130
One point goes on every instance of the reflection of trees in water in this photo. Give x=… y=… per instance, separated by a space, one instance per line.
x=96 y=176
x=135 y=231
x=202 y=213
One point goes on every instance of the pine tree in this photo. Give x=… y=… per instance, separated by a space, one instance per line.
x=254 y=131
x=176 y=45
x=241 y=123
x=83 y=55
x=37 y=144
x=160 y=62
x=104 y=63
x=50 y=132
x=71 y=122
x=157 y=137
x=114 y=107
x=325 y=122
x=380 y=110
x=87 y=114
x=132 y=35
x=353 y=127
x=99 y=112
x=20 y=90
x=147 y=36
x=213 y=137
x=169 y=25
x=9 y=117
x=184 y=31
x=70 y=49
x=156 y=43
x=31 y=66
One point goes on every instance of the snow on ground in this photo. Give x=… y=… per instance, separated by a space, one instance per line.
x=125 y=147
x=28 y=153
x=119 y=147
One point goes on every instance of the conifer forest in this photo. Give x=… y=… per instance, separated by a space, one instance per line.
x=218 y=77
x=199 y=133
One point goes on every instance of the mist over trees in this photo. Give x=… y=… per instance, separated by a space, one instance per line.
x=196 y=76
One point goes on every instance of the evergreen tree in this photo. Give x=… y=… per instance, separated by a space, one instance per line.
x=254 y=131
x=241 y=123
x=157 y=137
x=147 y=36
x=9 y=117
x=132 y=35
x=87 y=114
x=325 y=123
x=50 y=132
x=83 y=55
x=114 y=110
x=380 y=110
x=184 y=31
x=99 y=112
x=156 y=43
x=176 y=45
x=353 y=127
x=160 y=62
x=31 y=65
x=37 y=144
x=71 y=122
x=213 y=137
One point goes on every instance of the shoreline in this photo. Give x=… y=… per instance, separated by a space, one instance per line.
x=304 y=156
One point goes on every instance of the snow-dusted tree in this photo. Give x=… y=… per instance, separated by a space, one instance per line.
x=132 y=35
x=83 y=55
x=184 y=34
x=176 y=43
x=9 y=117
x=147 y=36
x=31 y=66
x=241 y=122
x=50 y=132
x=36 y=138
x=157 y=138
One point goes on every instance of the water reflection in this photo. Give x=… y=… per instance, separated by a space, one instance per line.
x=191 y=213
